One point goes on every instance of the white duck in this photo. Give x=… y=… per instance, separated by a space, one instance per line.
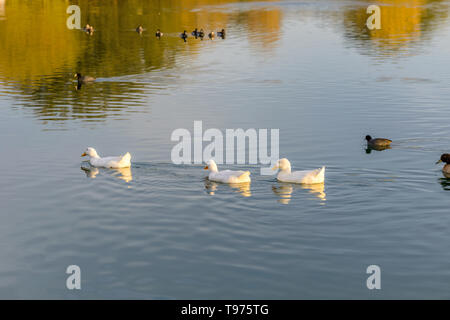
x=305 y=177
x=107 y=162
x=226 y=176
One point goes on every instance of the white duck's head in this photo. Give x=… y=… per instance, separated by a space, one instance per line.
x=283 y=165
x=90 y=152
x=211 y=166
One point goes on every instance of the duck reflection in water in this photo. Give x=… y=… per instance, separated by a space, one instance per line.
x=243 y=188
x=284 y=191
x=376 y=148
x=124 y=174
x=445 y=183
x=184 y=36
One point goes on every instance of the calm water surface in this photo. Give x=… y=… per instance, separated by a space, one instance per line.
x=160 y=230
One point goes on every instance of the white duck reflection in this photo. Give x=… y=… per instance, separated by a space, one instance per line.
x=284 y=191
x=121 y=173
x=243 y=188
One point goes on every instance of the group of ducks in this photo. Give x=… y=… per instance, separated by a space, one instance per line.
x=184 y=35
x=226 y=176
x=285 y=173
x=196 y=33
x=382 y=144
x=201 y=34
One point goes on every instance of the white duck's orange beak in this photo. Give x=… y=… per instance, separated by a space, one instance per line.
x=84 y=154
x=206 y=168
x=275 y=167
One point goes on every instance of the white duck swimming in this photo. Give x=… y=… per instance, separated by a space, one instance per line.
x=107 y=162
x=305 y=177
x=226 y=176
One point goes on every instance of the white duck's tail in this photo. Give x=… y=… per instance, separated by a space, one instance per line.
x=320 y=177
x=126 y=159
x=244 y=175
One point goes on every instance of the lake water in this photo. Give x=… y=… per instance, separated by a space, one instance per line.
x=162 y=231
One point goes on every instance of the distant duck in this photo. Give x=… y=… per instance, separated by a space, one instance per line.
x=211 y=35
x=201 y=34
x=226 y=176
x=107 y=162
x=304 y=177
x=378 y=142
x=195 y=33
x=81 y=78
x=446 y=159
x=221 y=34
x=184 y=35
x=89 y=29
x=158 y=33
x=139 y=29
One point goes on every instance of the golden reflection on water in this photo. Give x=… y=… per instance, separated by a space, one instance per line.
x=37 y=43
x=39 y=53
x=211 y=187
x=124 y=174
x=403 y=23
x=285 y=190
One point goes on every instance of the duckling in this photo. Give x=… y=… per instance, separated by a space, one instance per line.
x=378 y=142
x=89 y=29
x=81 y=78
x=446 y=159
x=139 y=29
x=184 y=35
x=211 y=35
x=158 y=34
x=195 y=33
x=221 y=34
